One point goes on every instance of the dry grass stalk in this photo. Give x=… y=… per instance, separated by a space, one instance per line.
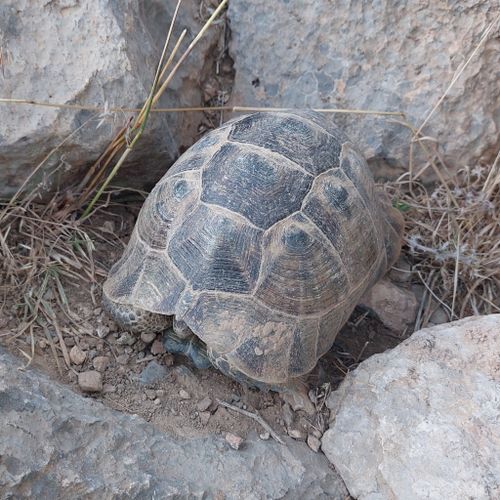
x=157 y=90
x=187 y=109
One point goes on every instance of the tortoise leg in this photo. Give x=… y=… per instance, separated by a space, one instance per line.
x=190 y=346
x=134 y=319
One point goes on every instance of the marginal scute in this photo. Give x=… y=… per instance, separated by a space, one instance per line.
x=141 y=277
x=355 y=167
x=323 y=121
x=173 y=196
x=199 y=153
x=223 y=321
x=337 y=208
x=263 y=189
x=303 y=346
x=215 y=251
x=301 y=275
x=289 y=135
x=330 y=324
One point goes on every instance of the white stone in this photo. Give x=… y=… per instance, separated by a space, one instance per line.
x=77 y=355
x=422 y=420
x=234 y=441
x=395 y=306
x=101 y=363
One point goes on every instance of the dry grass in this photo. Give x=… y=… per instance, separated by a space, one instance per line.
x=453 y=240
x=40 y=252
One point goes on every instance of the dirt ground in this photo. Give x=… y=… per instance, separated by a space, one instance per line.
x=184 y=400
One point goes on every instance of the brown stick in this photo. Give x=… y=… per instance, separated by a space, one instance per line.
x=254 y=416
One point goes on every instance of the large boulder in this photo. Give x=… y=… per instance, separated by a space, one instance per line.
x=422 y=420
x=390 y=55
x=57 y=444
x=93 y=54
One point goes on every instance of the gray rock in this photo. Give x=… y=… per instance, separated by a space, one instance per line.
x=390 y=55
x=395 y=306
x=93 y=53
x=422 y=420
x=57 y=444
x=152 y=373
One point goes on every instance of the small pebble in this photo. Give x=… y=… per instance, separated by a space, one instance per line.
x=168 y=359
x=160 y=393
x=77 y=355
x=90 y=381
x=205 y=417
x=234 y=441
x=297 y=434
x=102 y=331
x=108 y=388
x=157 y=347
x=126 y=339
x=157 y=401
x=204 y=404
x=101 y=363
x=150 y=393
x=265 y=436
x=97 y=311
x=122 y=359
x=184 y=394
x=147 y=338
x=313 y=442
x=139 y=346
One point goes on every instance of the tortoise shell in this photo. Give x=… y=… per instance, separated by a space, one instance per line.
x=262 y=238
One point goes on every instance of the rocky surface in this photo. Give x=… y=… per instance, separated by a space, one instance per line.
x=57 y=444
x=422 y=420
x=93 y=54
x=390 y=55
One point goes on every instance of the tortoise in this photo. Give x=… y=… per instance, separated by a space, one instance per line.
x=257 y=244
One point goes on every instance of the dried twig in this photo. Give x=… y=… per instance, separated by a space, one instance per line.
x=187 y=109
x=254 y=416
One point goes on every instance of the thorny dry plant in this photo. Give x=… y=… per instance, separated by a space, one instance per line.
x=453 y=240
